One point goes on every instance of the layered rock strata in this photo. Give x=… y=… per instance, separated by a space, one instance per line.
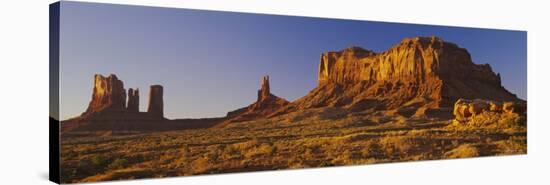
x=425 y=73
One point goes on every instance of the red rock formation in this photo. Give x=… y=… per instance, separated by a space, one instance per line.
x=108 y=95
x=423 y=71
x=156 y=102
x=266 y=104
x=108 y=110
x=133 y=100
x=482 y=113
x=264 y=91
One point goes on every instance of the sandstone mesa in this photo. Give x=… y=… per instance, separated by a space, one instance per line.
x=424 y=73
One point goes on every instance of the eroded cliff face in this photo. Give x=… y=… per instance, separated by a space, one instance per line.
x=424 y=72
x=108 y=95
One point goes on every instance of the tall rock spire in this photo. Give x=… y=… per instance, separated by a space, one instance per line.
x=266 y=104
x=156 y=102
x=264 y=91
x=133 y=100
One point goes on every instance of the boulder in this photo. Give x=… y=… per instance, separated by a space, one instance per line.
x=495 y=106
x=461 y=109
x=478 y=106
x=465 y=109
x=515 y=107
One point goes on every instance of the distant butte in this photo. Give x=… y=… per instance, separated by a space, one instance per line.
x=108 y=95
x=109 y=109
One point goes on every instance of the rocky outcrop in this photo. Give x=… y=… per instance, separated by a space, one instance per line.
x=422 y=72
x=265 y=105
x=109 y=110
x=108 y=95
x=514 y=107
x=478 y=113
x=156 y=102
x=133 y=100
x=466 y=109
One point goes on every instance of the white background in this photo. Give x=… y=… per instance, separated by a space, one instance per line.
x=24 y=91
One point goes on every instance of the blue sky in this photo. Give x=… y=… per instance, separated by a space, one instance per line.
x=211 y=62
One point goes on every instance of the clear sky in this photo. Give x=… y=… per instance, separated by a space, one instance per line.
x=211 y=62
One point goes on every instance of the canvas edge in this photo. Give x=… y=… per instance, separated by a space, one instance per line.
x=54 y=148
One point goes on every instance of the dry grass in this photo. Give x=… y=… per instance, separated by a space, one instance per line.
x=463 y=151
x=289 y=141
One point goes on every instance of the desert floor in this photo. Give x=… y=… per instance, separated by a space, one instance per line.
x=312 y=138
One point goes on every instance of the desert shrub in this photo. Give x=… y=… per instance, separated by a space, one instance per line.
x=128 y=173
x=296 y=163
x=243 y=146
x=512 y=120
x=231 y=152
x=263 y=149
x=246 y=162
x=185 y=152
x=325 y=164
x=371 y=148
x=309 y=153
x=344 y=158
x=484 y=119
x=418 y=133
x=118 y=163
x=396 y=145
x=201 y=165
x=349 y=122
x=213 y=152
x=463 y=151
x=491 y=120
x=513 y=145
x=69 y=154
x=98 y=160
x=356 y=137
x=181 y=157
x=266 y=149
